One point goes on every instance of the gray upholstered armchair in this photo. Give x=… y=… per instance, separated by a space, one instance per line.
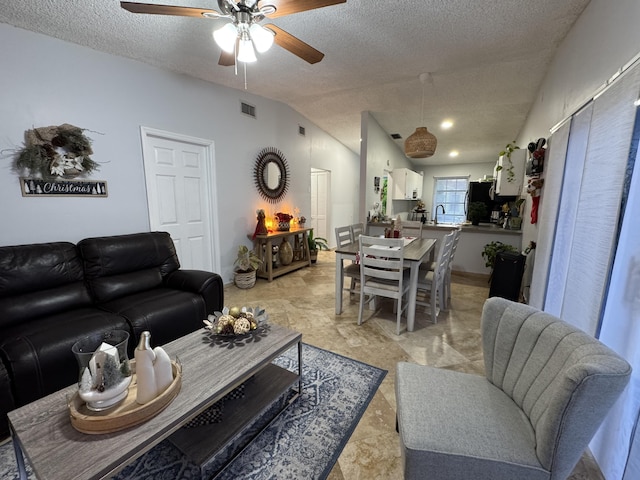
x=547 y=388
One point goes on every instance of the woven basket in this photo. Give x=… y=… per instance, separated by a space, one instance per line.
x=245 y=279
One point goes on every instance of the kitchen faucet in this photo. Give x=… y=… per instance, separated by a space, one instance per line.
x=435 y=220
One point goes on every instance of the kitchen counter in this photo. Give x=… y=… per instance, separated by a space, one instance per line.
x=472 y=241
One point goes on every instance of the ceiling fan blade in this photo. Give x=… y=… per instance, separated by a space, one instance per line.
x=227 y=59
x=287 y=7
x=295 y=45
x=166 y=9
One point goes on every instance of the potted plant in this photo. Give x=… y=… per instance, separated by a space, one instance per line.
x=491 y=251
x=477 y=211
x=246 y=264
x=508 y=150
x=315 y=244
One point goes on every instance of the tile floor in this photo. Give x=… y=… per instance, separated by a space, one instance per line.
x=304 y=301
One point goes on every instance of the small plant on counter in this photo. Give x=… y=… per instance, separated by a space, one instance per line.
x=508 y=150
x=477 y=210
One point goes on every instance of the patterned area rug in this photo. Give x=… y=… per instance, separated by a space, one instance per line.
x=304 y=442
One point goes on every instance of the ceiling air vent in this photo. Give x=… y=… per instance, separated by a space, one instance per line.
x=396 y=136
x=301 y=130
x=248 y=109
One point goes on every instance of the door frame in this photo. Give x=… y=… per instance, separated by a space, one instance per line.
x=209 y=168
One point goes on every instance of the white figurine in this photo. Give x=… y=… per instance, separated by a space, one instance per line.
x=153 y=369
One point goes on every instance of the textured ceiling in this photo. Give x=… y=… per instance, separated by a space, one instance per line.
x=486 y=60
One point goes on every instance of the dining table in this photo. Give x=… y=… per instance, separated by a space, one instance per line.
x=416 y=252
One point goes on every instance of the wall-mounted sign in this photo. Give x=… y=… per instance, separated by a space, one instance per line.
x=35 y=187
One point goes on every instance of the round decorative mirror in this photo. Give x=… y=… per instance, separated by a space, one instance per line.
x=271 y=174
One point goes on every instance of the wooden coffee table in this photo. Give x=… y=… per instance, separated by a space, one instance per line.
x=42 y=430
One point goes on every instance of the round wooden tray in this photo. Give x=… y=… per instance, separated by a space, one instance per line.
x=126 y=414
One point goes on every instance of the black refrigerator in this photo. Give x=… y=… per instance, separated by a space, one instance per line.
x=479 y=192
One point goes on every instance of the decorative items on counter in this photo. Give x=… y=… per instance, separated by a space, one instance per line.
x=284 y=221
x=153 y=370
x=261 y=227
x=105 y=374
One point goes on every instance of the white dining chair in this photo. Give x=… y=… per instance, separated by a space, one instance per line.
x=357 y=229
x=382 y=273
x=351 y=270
x=447 y=279
x=431 y=282
x=411 y=228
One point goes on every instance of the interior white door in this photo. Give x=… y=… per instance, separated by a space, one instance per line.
x=320 y=186
x=179 y=174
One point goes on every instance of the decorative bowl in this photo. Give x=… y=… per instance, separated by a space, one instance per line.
x=236 y=321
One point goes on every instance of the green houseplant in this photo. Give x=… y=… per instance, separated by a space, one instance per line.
x=477 y=210
x=247 y=263
x=315 y=244
x=491 y=251
x=508 y=150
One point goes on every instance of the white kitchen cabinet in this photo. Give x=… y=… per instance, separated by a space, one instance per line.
x=509 y=179
x=407 y=184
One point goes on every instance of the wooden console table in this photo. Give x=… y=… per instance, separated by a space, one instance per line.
x=263 y=247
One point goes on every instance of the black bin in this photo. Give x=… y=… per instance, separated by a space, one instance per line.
x=507 y=275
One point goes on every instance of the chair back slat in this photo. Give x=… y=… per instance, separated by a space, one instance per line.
x=357 y=229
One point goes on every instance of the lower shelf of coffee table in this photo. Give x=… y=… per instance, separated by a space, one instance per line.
x=265 y=396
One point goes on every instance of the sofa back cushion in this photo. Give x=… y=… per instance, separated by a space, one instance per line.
x=126 y=264
x=38 y=280
x=564 y=380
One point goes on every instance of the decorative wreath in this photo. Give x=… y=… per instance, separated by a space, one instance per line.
x=56 y=152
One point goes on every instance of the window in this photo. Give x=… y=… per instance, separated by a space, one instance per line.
x=450 y=192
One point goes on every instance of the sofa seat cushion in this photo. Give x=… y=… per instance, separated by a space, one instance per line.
x=166 y=313
x=37 y=354
x=483 y=431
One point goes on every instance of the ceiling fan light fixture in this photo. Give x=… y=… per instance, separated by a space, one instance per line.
x=262 y=37
x=226 y=37
x=246 y=53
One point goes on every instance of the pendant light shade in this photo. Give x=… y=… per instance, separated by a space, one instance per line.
x=420 y=144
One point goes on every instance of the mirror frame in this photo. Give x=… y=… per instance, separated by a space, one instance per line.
x=271 y=156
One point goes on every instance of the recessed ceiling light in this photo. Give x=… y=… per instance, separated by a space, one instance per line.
x=454 y=153
x=446 y=124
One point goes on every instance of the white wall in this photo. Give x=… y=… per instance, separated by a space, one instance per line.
x=46 y=81
x=604 y=38
x=379 y=153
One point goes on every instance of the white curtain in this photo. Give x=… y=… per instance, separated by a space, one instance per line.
x=616 y=446
x=590 y=271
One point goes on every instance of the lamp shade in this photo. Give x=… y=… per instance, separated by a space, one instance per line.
x=420 y=144
x=262 y=37
x=245 y=51
x=226 y=36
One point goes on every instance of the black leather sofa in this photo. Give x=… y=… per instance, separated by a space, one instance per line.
x=52 y=294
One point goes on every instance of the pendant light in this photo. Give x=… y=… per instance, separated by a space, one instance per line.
x=422 y=143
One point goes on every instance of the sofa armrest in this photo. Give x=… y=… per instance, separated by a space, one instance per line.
x=6 y=402
x=207 y=284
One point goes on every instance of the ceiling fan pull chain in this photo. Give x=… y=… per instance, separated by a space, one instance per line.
x=245 y=76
